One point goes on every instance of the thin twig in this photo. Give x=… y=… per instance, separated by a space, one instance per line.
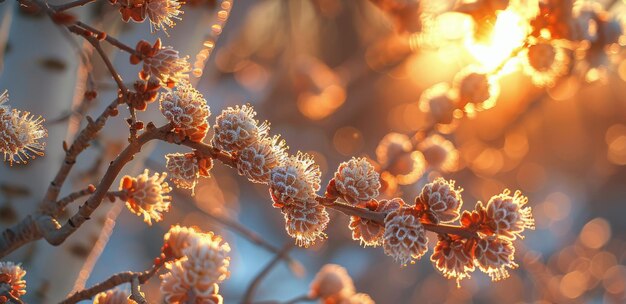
x=302 y=298
x=62 y=203
x=247 y=298
x=112 y=40
x=135 y=293
x=70 y=5
x=111 y=282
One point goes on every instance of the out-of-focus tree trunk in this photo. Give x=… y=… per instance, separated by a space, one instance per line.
x=40 y=73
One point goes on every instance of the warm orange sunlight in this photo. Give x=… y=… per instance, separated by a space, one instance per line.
x=508 y=34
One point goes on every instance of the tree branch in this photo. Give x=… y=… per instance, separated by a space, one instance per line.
x=247 y=298
x=111 y=282
x=70 y=5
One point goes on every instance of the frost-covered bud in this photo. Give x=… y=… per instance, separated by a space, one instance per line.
x=437 y=102
x=178 y=238
x=162 y=13
x=12 y=274
x=357 y=181
x=296 y=180
x=236 y=129
x=161 y=62
x=493 y=256
x=187 y=111
x=332 y=284
x=440 y=153
x=257 y=160
x=177 y=287
x=440 y=201
x=368 y=232
x=453 y=258
x=147 y=195
x=207 y=258
x=395 y=153
x=306 y=222
x=405 y=238
x=506 y=216
x=20 y=133
x=113 y=296
x=185 y=169
x=476 y=90
x=194 y=278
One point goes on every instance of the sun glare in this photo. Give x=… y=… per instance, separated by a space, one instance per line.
x=508 y=34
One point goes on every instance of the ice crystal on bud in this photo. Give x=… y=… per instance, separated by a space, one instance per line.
x=163 y=63
x=357 y=181
x=306 y=222
x=257 y=160
x=113 y=296
x=332 y=284
x=147 y=195
x=493 y=256
x=405 y=238
x=20 y=133
x=194 y=278
x=440 y=201
x=236 y=129
x=453 y=258
x=185 y=169
x=368 y=232
x=162 y=13
x=12 y=274
x=187 y=110
x=506 y=215
x=296 y=180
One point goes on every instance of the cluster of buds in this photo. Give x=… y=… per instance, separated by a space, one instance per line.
x=145 y=92
x=146 y=195
x=161 y=62
x=161 y=13
x=20 y=133
x=333 y=284
x=483 y=239
x=196 y=262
